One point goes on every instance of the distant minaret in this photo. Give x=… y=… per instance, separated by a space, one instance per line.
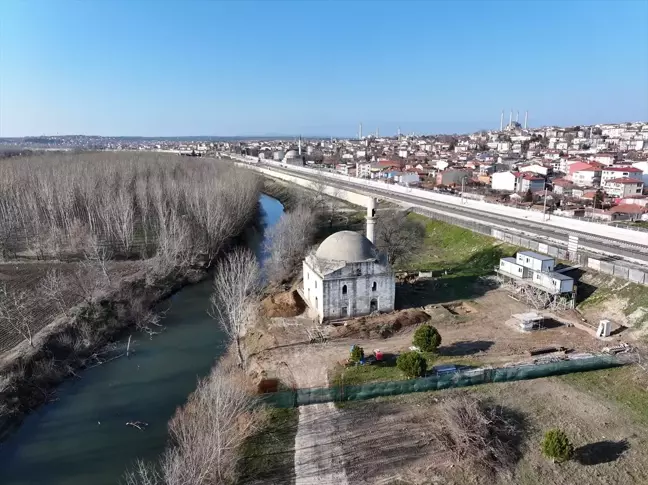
x=360 y=132
x=399 y=133
x=299 y=145
x=526 y=118
x=510 y=118
x=377 y=132
x=502 y=121
x=371 y=220
x=517 y=116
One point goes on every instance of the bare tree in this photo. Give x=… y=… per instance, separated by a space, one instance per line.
x=288 y=242
x=99 y=254
x=207 y=433
x=16 y=315
x=233 y=301
x=398 y=237
x=52 y=286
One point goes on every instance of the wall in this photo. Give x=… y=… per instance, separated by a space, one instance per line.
x=352 y=197
x=359 y=293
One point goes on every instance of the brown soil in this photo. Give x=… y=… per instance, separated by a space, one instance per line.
x=391 y=439
x=286 y=304
x=380 y=326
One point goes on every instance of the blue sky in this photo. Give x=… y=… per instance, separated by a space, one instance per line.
x=199 y=67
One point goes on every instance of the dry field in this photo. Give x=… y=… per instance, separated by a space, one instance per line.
x=28 y=276
x=392 y=440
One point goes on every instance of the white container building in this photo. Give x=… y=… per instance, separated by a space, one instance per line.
x=510 y=266
x=536 y=261
x=554 y=282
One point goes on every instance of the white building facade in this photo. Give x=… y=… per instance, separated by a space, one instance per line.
x=347 y=276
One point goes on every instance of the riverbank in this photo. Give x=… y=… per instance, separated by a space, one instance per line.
x=83 y=336
x=88 y=414
x=79 y=340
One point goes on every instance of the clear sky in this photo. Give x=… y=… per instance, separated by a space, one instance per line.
x=192 y=67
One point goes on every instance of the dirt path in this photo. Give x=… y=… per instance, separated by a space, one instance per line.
x=318 y=450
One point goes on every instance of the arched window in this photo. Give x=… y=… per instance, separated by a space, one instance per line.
x=344 y=289
x=316 y=304
x=307 y=275
x=374 y=286
x=315 y=284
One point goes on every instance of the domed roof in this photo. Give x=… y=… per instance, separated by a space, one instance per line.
x=347 y=246
x=292 y=154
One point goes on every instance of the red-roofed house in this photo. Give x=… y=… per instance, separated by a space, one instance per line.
x=562 y=187
x=585 y=174
x=633 y=211
x=623 y=187
x=620 y=172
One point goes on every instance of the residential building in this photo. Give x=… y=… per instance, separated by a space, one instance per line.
x=516 y=182
x=586 y=176
x=563 y=187
x=452 y=177
x=622 y=187
x=609 y=173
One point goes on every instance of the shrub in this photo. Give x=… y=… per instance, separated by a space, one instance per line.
x=357 y=353
x=427 y=338
x=412 y=364
x=556 y=445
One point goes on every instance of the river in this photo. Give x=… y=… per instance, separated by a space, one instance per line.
x=82 y=438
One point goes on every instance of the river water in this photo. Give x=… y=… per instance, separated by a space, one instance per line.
x=82 y=439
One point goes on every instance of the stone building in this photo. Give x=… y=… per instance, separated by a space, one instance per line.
x=347 y=276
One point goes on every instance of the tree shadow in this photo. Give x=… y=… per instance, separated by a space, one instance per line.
x=441 y=290
x=465 y=347
x=601 y=452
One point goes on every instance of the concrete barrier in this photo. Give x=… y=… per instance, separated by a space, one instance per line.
x=589 y=227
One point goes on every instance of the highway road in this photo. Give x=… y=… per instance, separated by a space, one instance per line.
x=634 y=253
x=629 y=251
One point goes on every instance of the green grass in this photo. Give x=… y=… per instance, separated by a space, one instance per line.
x=268 y=456
x=459 y=251
x=362 y=374
x=624 y=386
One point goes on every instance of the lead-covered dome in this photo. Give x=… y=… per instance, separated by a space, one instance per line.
x=292 y=154
x=347 y=246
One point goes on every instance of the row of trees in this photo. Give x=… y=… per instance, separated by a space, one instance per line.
x=209 y=430
x=130 y=205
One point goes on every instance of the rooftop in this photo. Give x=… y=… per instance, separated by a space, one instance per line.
x=534 y=255
x=347 y=246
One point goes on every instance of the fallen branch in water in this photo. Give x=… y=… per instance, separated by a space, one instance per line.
x=141 y=425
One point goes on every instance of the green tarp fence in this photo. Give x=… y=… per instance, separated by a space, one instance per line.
x=301 y=397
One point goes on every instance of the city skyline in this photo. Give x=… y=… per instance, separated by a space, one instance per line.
x=270 y=69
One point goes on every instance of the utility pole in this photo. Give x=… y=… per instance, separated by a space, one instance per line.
x=463 y=181
x=544 y=208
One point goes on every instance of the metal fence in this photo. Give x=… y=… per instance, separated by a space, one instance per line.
x=301 y=397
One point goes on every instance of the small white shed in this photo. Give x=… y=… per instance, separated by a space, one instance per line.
x=535 y=261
